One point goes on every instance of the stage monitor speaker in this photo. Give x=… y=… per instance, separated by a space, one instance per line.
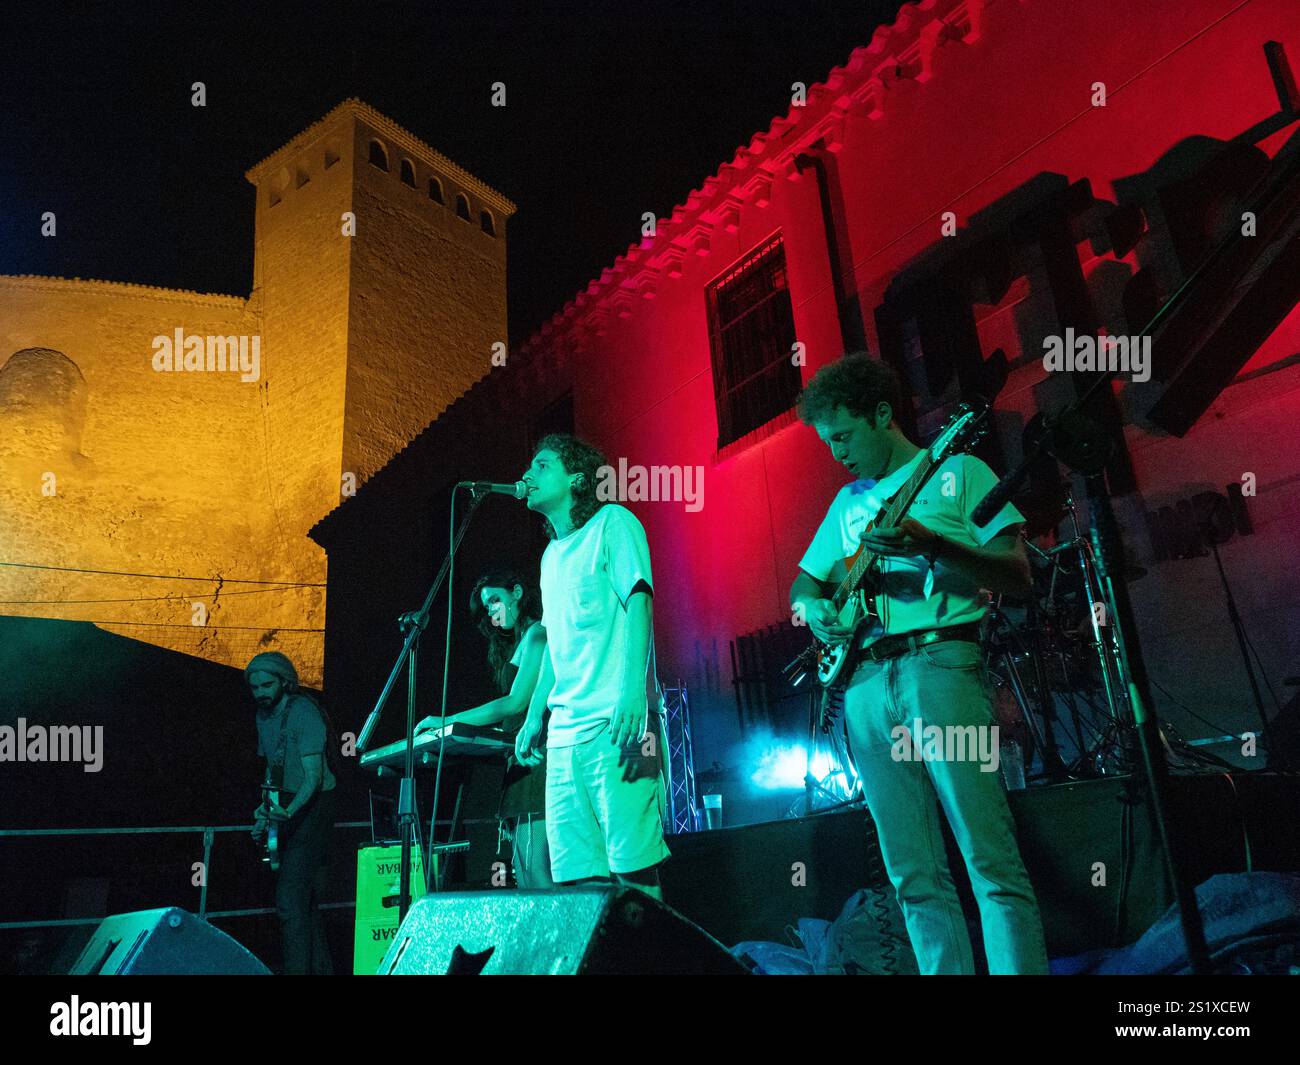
x=166 y=942
x=596 y=930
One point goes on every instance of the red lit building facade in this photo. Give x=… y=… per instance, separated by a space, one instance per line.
x=978 y=177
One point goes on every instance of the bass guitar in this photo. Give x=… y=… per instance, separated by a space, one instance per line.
x=854 y=597
x=272 y=841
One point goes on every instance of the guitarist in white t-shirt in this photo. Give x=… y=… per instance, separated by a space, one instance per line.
x=918 y=665
x=604 y=790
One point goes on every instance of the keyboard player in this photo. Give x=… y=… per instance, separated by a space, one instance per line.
x=506 y=605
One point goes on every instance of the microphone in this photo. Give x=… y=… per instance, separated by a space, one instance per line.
x=519 y=490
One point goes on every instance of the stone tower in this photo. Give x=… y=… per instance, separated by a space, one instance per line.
x=379 y=277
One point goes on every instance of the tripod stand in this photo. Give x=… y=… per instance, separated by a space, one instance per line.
x=828 y=752
x=1109 y=754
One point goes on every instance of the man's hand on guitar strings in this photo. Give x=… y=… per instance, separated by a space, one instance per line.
x=825 y=623
x=906 y=540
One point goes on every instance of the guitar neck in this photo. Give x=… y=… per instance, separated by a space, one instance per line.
x=890 y=515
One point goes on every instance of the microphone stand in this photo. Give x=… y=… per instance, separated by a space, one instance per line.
x=413 y=625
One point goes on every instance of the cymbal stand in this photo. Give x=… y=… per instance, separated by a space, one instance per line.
x=1104 y=648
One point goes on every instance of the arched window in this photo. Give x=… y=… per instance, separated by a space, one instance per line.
x=462 y=206
x=378 y=157
x=485 y=222
x=435 y=190
x=408 y=173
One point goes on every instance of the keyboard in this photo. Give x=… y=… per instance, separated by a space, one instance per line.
x=461 y=740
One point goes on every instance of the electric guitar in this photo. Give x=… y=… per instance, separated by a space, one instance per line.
x=272 y=843
x=855 y=596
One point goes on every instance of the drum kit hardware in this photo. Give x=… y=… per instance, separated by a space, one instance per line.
x=1054 y=661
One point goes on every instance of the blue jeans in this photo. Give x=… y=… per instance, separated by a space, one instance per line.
x=943 y=685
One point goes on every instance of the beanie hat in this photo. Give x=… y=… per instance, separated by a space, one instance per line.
x=276 y=664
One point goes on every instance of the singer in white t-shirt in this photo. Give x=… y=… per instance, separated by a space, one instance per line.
x=922 y=668
x=604 y=790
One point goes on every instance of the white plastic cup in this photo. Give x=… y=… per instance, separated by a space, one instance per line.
x=713 y=811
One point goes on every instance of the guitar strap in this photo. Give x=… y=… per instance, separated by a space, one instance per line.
x=275 y=766
x=330 y=738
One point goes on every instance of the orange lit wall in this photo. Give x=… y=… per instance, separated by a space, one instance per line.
x=108 y=465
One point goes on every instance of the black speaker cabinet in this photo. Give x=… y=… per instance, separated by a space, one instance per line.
x=592 y=930
x=166 y=942
x=755 y=881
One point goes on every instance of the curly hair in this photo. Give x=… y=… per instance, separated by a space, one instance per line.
x=856 y=382
x=576 y=456
x=502 y=641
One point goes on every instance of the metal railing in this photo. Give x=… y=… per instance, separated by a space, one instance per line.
x=209 y=834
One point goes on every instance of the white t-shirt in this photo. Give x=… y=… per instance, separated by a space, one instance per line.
x=586 y=580
x=943 y=505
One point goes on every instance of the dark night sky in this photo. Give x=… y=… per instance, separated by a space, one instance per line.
x=613 y=109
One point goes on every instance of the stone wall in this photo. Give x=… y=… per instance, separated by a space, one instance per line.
x=205 y=478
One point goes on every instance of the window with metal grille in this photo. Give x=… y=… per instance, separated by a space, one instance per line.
x=751 y=336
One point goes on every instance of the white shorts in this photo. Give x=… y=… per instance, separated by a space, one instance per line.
x=604 y=809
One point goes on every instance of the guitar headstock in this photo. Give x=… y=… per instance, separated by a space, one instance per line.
x=963 y=431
